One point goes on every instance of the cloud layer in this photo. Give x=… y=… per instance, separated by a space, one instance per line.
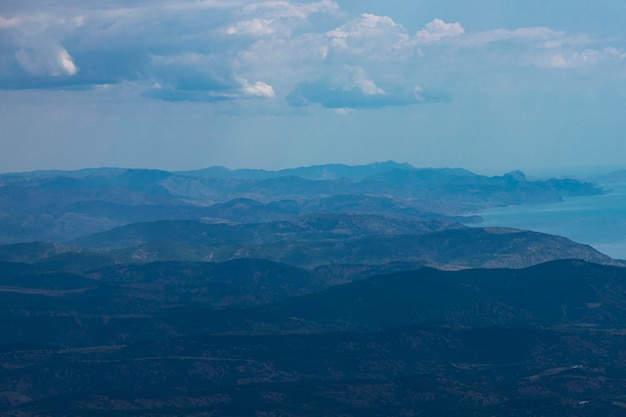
x=304 y=53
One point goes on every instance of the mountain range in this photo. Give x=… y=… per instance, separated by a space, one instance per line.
x=328 y=290
x=63 y=205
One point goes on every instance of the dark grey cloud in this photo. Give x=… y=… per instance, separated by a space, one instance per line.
x=93 y=68
x=198 y=77
x=71 y=44
x=328 y=96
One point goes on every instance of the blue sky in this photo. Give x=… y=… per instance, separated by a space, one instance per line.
x=487 y=85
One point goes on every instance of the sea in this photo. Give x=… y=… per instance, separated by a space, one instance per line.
x=599 y=220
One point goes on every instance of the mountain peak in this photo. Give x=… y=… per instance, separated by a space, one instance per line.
x=516 y=175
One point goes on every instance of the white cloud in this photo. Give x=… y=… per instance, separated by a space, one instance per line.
x=354 y=79
x=438 y=30
x=254 y=27
x=219 y=43
x=557 y=61
x=373 y=21
x=526 y=46
x=258 y=89
x=366 y=85
x=277 y=19
x=33 y=43
x=540 y=36
x=67 y=63
x=538 y=46
x=6 y=23
x=371 y=36
x=343 y=111
x=51 y=61
x=368 y=26
x=578 y=59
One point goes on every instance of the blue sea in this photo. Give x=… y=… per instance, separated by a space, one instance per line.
x=599 y=221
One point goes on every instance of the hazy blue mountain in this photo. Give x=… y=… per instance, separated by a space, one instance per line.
x=245 y=210
x=59 y=205
x=479 y=191
x=10 y=177
x=316 y=172
x=611 y=177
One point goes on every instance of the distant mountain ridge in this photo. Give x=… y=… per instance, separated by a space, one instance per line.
x=63 y=205
x=315 y=172
x=611 y=177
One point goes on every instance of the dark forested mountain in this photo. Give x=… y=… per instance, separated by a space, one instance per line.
x=325 y=290
x=329 y=239
x=118 y=341
x=319 y=227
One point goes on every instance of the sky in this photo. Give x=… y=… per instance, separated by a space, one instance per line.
x=487 y=85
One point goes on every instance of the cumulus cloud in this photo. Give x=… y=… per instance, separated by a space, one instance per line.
x=366 y=25
x=437 y=30
x=322 y=93
x=254 y=27
x=52 y=61
x=576 y=59
x=276 y=21
x=356 y=79
x=343 y=111
x=356 y=91
x=31 y=46
x=258 y=89
x=535 y=36
x=540 y=47
x=369 y=87
x=369 y=35
x=116 y=42
x=212 y=50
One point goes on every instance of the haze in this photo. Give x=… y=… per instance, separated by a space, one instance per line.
x=485 y=85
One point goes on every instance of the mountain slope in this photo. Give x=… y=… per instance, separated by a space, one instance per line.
x=318 y=240
x=318 y=227
x=542 y=341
